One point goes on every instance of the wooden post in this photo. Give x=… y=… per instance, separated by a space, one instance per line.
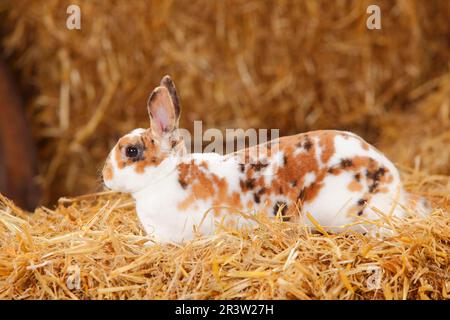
x=18 y=169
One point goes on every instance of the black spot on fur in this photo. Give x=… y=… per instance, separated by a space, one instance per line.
x=258 y=166
x=345 y=163
x=377 y=174
x=284 y=160
x=257 y=195
x=308 y=144
x=283 y=206
x=358 y=177
x=360 y=213
x=361 y=202
x=242 y=167
x=375 y=177
x=373 y=187
x=301 y=195
x=250 y=183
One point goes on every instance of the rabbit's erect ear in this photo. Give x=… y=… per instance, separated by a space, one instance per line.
x=161 y=109
x=168 y=83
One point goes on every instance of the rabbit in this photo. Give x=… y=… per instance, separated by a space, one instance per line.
x=335 y=176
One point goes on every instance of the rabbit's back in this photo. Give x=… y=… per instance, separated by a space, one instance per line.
x=335 y=175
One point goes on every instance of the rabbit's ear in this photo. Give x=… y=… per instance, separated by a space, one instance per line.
x=168 y=83
x=161 y=109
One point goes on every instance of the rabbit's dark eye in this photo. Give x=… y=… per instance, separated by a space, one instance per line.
x=132 y=152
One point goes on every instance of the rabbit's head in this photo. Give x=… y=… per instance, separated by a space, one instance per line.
x=144 y=155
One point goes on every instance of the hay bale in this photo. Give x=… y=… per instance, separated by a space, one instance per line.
x=420 y=138
x=290 y=65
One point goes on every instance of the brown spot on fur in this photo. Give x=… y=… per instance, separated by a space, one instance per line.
x=389 y=179
x=383 y=190
x=182 y=183
x=205 y=185
x=151 y=154
x=108 y=172
x=312 y=191
x=364 y=145
x=235 y=200
x=327 y=145
x=354 y=186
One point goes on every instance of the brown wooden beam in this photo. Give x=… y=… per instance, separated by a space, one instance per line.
x=18 y=168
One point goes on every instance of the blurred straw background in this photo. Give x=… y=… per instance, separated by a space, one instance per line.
x=293 y=65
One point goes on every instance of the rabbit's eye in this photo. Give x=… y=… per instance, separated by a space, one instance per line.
x=132 y=152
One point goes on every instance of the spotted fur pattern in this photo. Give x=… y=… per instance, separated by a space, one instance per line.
x=336 y=176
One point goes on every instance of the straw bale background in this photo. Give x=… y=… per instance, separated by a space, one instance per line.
x=293 y=65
